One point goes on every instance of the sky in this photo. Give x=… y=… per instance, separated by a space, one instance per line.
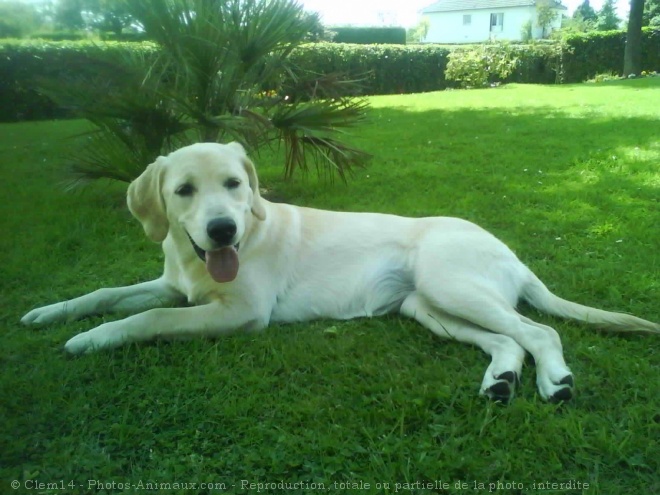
x=397 y=12
x=401 y=12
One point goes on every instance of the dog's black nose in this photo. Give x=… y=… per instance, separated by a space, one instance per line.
x=221 y=230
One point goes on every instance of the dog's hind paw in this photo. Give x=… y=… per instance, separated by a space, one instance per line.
x=503 y=389
x=565 y=393
x=556 y=391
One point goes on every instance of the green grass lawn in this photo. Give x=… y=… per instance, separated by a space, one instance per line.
x=568 y=176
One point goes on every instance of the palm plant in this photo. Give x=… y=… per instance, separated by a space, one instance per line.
x=220 y=72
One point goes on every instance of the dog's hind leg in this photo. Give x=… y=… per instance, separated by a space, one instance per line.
x=477 y=302
x=503 y=373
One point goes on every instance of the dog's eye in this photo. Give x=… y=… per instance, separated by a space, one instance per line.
x=232 y=183
x=185 y=190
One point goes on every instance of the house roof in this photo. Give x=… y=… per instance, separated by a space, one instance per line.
x=453 y=5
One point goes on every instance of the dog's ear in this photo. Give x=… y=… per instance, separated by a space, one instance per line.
x=258 y=209
x=145 y=201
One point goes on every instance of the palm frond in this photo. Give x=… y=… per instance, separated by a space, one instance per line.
x=306 y=130
x=105 y=155
x=221 y=71
x=302 y=85
x=119 y=98
x=320 y=116
x=330 y=157
x=223 y=49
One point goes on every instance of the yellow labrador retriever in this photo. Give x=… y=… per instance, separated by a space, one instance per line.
x=245 y=262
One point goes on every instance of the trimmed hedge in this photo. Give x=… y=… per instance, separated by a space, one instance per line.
x=24 y=63
x=369 y=35
x=598 y=52
x=385 y=69
x=59 y=36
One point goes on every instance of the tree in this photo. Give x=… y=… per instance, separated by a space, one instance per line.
x=318 y=31
x=651 y=13
x=110 y=15
x=418 y=33
x=104 y=15
x=607 y=18
x=68 y=14
x=632 y=60
x=18 y=19
x=545 y=14
x=526 y=31
x=576 y=24
x=221 y=72
x=586 y=12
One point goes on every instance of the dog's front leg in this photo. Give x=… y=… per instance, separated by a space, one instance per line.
x=210 y=320
x=130 y=299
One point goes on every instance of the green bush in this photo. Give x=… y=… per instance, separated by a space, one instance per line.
x=484 y=64
x=370 y=35
x=596 y=52
x=481 y=65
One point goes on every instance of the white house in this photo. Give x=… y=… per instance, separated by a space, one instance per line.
x=474 y=21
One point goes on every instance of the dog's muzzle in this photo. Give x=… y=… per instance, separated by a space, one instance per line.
x=221 y=263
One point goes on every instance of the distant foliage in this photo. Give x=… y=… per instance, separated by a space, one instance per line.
x=526 y=31
x=651 y=13
x=570 y=25
x=607 y=18
x=418 y=33
x=545 y=14
x=18 y=20
x=586 y=12
x=370 y=35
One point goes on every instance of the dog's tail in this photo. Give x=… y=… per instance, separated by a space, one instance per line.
x=538 y=295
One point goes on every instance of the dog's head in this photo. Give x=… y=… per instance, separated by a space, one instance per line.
x=208 y=190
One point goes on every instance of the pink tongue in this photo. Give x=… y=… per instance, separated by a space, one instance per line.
x=222 y=264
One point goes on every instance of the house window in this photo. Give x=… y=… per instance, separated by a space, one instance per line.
x=496 y=22
x=467 y=19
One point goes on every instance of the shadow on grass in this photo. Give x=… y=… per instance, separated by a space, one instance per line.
x=642 y=82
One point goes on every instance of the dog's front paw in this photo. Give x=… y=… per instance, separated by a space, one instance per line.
x=46 y=315
x=99 y=338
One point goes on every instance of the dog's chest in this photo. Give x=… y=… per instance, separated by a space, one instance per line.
x=191 y=279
